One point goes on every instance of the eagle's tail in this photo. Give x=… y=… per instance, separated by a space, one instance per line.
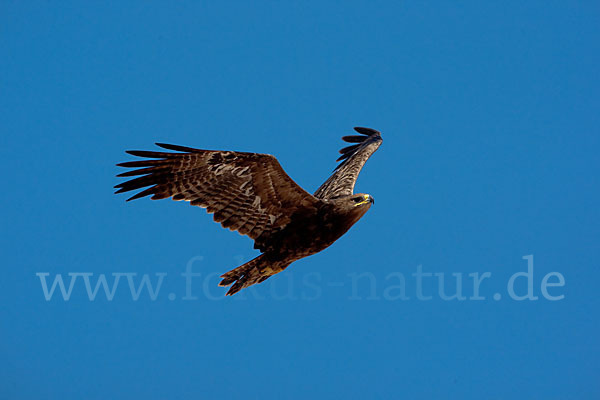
x=254 y=271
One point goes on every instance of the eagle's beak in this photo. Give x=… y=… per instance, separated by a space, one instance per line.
x=371 y=199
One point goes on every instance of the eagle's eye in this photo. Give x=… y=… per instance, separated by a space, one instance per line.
x=357 y=199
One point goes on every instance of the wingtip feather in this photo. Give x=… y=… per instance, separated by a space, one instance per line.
x=366 y=131
x=176 y=147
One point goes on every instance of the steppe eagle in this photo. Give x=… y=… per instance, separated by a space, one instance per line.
x=251 y=193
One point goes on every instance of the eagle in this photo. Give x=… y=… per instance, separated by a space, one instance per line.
x=250 y=193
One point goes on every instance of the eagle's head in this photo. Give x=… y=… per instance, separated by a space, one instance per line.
x=361 y=200
x=354 y=206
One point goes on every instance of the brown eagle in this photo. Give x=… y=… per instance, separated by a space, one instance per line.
x=251 y=193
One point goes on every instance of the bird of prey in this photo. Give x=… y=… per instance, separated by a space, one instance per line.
x=251 y=193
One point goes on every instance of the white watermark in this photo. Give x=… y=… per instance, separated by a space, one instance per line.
x=195 y=285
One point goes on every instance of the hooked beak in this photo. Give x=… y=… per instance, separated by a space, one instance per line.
x=371 y=199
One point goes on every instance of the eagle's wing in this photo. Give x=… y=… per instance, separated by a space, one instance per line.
x=247 y=192
x=341 y=182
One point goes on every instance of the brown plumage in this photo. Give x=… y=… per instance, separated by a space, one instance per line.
x=251 y=193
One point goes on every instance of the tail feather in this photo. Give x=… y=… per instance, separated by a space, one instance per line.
x=254 y=271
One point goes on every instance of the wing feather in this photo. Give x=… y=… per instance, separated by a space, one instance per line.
x=246 y=192
x=343 y=179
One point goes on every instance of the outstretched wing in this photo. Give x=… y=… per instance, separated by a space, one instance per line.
x=341 y=182
x=247 y=192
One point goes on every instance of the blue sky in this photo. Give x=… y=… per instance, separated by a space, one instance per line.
x=489 y=114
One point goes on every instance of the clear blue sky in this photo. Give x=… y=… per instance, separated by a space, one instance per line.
x=489 y=114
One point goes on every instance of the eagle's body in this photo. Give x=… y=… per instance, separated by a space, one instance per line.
x=250 y=193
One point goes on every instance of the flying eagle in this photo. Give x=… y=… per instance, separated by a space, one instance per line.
x=251 y=193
